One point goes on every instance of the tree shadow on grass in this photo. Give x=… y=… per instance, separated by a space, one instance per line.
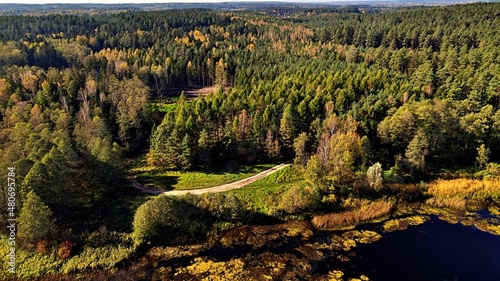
x=234 y=167
x=157 y=180
x=120 y=211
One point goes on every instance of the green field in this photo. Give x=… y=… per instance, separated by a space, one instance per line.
x=178 y=180
x=265 y=195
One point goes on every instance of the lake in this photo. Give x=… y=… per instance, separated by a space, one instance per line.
x=435 y=250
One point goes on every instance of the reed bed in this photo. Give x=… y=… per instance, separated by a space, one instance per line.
x=451 y=203
x=366 y=212
x=466 y=188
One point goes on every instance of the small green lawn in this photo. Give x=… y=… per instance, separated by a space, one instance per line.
x=264 y=195
x=163 y=107
x=170 y=180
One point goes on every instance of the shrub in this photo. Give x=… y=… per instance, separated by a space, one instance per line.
x=166 y=218
x=97 y=258
x=29 y=263
x=315 y=171
x=492 y=171
x=234 y=211
x=103 y=237
x=64 y=250
x=226 y=207
x=299 y=199
x=42 y=246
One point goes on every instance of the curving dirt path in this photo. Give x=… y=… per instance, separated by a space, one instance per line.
x=215 y=189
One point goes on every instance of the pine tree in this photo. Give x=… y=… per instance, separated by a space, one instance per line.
x=156 y=155
x=35 y=220
x=288 y=127
x=204 y=148
x=185 y=158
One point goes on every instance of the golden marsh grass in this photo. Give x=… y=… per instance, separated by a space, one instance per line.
x=367 y=211
x=465 y=188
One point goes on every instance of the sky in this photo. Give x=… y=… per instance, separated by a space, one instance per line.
x=143 y=1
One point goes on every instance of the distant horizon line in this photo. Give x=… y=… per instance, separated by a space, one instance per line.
x=186 y=1
x=197 y=2
x=121 y=2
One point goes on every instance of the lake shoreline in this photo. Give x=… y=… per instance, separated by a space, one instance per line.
x=292 y=249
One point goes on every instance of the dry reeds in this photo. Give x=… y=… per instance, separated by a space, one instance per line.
x=451 y=203
x=466 y=188
x=367 y=211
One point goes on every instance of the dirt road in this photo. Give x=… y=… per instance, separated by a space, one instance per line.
x=215 y=189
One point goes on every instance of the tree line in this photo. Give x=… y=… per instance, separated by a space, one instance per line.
x=336 y=92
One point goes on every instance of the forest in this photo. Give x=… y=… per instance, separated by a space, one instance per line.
x=361 y=100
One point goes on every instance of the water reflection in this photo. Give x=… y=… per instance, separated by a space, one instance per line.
x=435 y=250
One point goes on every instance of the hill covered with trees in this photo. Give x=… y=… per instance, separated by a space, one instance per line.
x=355 y=99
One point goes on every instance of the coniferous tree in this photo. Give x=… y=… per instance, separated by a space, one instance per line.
x=36 y=221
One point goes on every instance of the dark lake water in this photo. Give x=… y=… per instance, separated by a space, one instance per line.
x=435 y=250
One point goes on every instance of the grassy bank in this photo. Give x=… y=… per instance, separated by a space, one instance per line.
x=265 y=196
x=184 y=180
x=284 y=195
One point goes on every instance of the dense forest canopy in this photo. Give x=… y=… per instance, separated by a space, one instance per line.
x=335 y=90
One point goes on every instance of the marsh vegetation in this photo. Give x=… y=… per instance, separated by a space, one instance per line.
x=389 y=118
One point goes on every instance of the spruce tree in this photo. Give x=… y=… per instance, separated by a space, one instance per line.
x=35 y=220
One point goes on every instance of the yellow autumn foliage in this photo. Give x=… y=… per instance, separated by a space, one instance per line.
x=465 y=188
x=403 y=223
